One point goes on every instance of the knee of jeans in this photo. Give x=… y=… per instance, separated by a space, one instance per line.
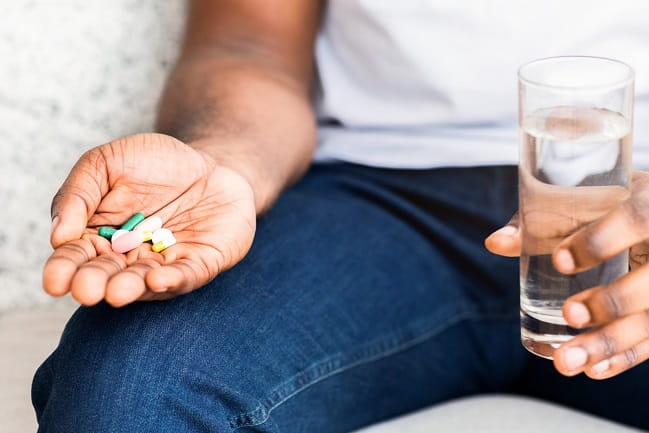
x=123 y=367
x=41 y=386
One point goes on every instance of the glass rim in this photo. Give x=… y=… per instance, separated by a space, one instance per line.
x=628 y=79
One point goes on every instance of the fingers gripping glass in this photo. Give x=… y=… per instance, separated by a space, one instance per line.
x=575 y=123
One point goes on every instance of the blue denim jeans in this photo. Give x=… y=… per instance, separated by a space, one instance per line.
x=367 y=294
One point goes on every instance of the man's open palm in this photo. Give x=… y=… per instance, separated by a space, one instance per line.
x=210 y=209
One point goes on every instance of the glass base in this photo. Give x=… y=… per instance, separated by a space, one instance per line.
x=542 y=338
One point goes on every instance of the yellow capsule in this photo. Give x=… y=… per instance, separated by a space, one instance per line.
x=147 y=236
x=163 y=244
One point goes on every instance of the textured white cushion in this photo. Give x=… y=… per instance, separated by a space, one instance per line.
x=74 y=74
x=498 y=414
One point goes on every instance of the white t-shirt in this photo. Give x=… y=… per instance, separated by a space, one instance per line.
x=428 y=83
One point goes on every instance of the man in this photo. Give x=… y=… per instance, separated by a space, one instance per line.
x=367 y=292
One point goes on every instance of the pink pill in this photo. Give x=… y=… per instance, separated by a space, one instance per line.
x=149 y=224
x=128 y=241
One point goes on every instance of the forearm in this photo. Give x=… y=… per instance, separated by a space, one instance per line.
x=245 y=114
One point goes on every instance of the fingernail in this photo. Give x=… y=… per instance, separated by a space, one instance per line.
x=601 y=367
x=578 y=314
x=575 y=357
x=506 y=231
x=564 y=261
x=55 y=222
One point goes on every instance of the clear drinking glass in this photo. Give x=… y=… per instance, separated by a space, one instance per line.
x=575 y=123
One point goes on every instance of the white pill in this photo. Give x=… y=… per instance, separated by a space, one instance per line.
x=117 y=234
x=149 y=224
x=162 y=235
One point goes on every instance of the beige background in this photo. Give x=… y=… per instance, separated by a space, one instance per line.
x=73 y=74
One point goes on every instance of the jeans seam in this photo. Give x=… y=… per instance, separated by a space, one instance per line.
x=381 y=348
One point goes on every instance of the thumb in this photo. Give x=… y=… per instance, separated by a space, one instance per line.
x=78 y=198
x=506 y=241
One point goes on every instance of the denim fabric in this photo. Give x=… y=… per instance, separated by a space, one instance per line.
x=367 y=294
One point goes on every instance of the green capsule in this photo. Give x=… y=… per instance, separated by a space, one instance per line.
x=106 y=232
x=133 y=221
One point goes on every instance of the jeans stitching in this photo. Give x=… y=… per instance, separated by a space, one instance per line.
x=339 y=363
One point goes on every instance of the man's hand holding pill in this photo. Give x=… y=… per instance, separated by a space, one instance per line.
x=245 y=130
x=208 y=206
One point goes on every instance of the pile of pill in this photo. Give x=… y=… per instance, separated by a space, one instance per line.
x=136 y=231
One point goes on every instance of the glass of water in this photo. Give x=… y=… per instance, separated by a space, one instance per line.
x=575 y=123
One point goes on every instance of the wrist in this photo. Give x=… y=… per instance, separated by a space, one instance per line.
x=265 y=187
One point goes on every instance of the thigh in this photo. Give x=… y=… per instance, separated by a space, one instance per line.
x=401 y=304
x=366 y=292
x=469 y=356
